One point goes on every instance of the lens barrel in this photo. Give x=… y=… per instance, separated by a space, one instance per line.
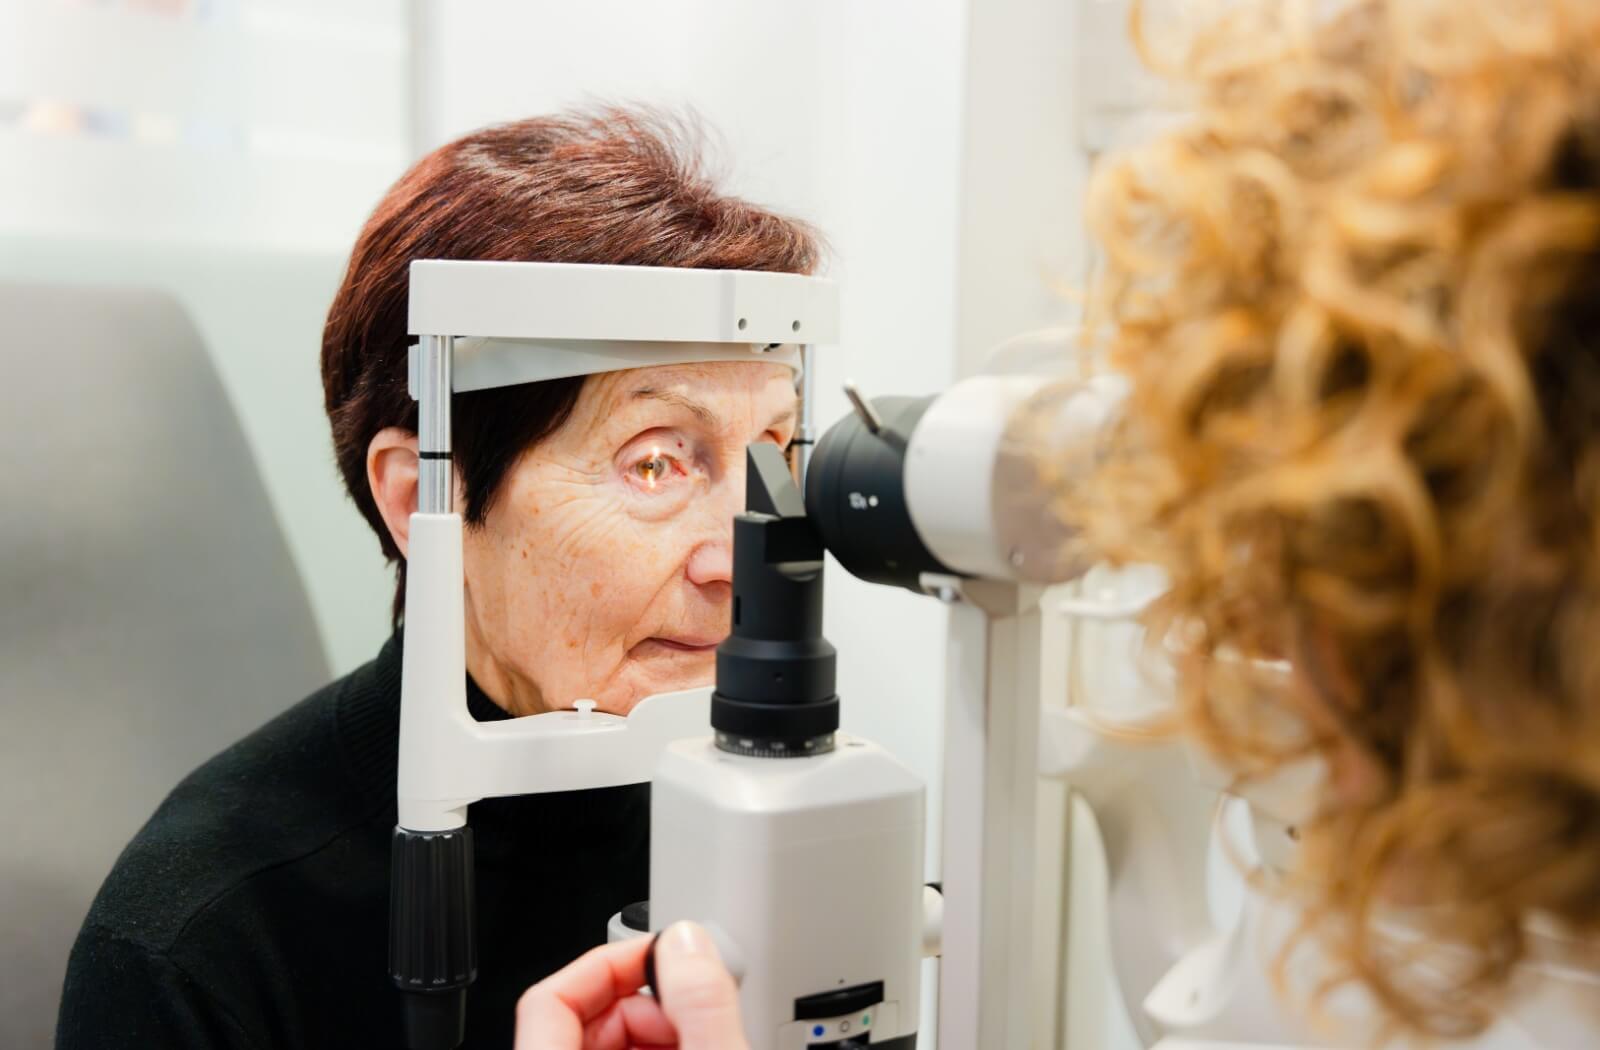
x=856 y=496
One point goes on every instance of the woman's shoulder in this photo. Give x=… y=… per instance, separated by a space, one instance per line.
x=269 y=804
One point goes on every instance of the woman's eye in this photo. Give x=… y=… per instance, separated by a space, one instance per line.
x=653 y=471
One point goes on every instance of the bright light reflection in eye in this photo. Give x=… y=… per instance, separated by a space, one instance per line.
x=655 y=457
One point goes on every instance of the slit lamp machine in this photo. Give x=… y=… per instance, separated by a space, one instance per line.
x=799 y=846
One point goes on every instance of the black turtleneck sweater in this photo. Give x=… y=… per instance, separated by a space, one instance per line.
x=252 y=910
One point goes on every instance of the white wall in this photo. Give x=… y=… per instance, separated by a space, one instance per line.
x=226 y=153
x=267 y=123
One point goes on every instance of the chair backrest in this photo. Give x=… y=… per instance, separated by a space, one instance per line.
x=150 y=611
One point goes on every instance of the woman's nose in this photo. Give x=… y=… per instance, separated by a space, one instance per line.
x=712 y=560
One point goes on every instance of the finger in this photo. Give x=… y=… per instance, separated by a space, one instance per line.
x=636 y=1021
x=544 y=1021
x=697 y=993
x=559 y=1006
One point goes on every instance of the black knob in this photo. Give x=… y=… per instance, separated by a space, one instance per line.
x=433 y=951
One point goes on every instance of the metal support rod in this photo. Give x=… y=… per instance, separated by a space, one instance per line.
x=991 y=776
x=863 y=408
x=805 y=435
x=435 y=478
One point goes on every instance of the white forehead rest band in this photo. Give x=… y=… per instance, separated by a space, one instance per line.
x=480 y=363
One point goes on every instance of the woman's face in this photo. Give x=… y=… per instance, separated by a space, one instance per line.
x=604 y=568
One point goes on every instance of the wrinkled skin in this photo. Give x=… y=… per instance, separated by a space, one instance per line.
x=604 y=567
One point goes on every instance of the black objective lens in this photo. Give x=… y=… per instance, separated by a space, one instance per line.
x=775 y=673
x=856 y=496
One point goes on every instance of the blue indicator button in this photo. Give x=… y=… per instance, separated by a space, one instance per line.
x=819 y=1030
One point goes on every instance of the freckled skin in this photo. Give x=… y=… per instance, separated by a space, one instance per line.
x=615 y=533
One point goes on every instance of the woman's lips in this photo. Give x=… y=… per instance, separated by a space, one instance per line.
x=686 y=645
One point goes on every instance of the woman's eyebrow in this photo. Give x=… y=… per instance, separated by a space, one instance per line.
x=700 y=412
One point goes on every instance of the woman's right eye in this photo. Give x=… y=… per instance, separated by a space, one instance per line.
x=655 y=470
x=652 y=471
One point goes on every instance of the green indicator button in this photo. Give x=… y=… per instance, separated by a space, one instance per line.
x=866 y=1018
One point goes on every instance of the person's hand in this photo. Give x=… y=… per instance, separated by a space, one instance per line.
x=594 y=1003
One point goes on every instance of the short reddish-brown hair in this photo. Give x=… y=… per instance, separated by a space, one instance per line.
x=614 y=186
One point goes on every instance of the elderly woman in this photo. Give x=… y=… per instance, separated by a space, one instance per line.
x=251 y=911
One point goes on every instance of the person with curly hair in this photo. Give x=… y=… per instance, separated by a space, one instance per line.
x=1357 y=295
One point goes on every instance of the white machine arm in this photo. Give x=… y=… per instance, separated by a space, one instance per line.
x=1159 y=805
x=450 y=760
x=990 y=781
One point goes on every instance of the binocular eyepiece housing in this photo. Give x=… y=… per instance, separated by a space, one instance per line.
x=977 y=481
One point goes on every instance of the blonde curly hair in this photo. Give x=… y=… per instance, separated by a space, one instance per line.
x=1358 y=297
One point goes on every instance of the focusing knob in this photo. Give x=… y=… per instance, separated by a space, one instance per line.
x=760 y=747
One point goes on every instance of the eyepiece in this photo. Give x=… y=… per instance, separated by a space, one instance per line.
x=963 y=484
x=856 y=494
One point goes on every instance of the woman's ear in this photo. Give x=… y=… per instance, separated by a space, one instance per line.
x=392 y=474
